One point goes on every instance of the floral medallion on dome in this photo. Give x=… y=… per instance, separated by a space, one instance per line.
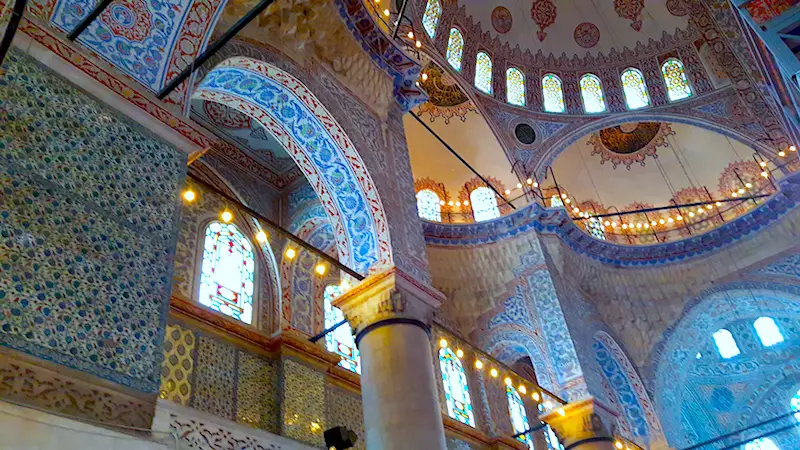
x=762 y=11
x=225 y=116
x=130 y=19
x=631 y=10
x=543 y=13
x=677 y=8
x=629 y=143
x=445 y=98
x=587 y=35
x=502 y=19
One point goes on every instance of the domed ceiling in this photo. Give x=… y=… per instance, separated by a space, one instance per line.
x=577 y=26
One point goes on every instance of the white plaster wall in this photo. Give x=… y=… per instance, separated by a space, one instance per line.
x=29 y=429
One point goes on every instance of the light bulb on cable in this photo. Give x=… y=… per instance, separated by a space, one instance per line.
x=189 y=195
x=261 y=236
x=226 y=216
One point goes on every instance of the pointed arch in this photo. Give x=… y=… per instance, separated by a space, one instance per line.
x=515 y=86
x=484 y=204
x=675 y=79
x=430 y=20
x=625 y=383
x=483 y=72
x=553 y=94
x=634 y=88
x=592 y=94
x=456 y=389
x=319 y=146
x=455 y=48
x=429 y=205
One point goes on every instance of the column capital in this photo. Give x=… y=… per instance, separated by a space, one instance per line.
x=388 y=297
x=580 y=423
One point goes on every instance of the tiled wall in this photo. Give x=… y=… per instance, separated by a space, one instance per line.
x=89 y=209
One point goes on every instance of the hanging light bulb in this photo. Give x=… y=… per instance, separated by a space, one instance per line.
x=493 y=372
x=691 y=213
x=662 y=221
x=508 y=381
x=460 y=353
x=189 y=195
x=792 y=148
x=386 y=12
x=576 y=210
x=261 y=236
x=653 y=223
x=466 y=202
x=424 y=76
x=535 y=184
x=646 y=226
x=639 y=225
x=522 y=389
x=781 y=153
x=441 y=203
x=567 y=201
x=458 y=204
x=561 y=412
x=535 y=396
x=344 y=285
x=508 y=191
x=411 y=35
x=613 y=224
x=718 y=204
x=478 y=364
x=765 y=174
x=450 y=203
x=763 y=164
x=418 y=44
x=290 y=253
x=741 y=190
x=670 y=220
x=443 y=343
x=748 y=185
x=679 y=217
x=226 y=216
x=320 y=269
x=529 y=181
x=519 y=185
x=624 y=226
x=607 y=223
x=563 y=195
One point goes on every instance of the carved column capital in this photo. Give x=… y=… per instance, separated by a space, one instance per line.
x=388 y=297
x=580 y=423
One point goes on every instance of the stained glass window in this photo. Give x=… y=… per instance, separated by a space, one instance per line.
x=455 y=46
x=794 y=403
x=635 y=89
x=552 y=94
x=768 y=331
x=552 y=440
x=595 y=228
x=556 y=202
x=484 y=204
x=761 y=444
x=725 y=343
x=433 y=11
x=456 y=390
x=592 y=93
x=519 y=418
x=227 y=272
x=428 y=206
x=515 y=87
x=675 y=79
x=483 y=73
x=340 y=340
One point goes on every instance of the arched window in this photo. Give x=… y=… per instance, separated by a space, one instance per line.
x=484 y=204
x=794 y=403
x=455 y=47
x=592 y=93
x=483 y=73
x=761 y=444
x=552 y=94
x=428 y=206
x=675 y=79
x=456 y=390
x=556 y=202
x=595 y=228
x=635 y=89
x=340 y=340
x=768 y=331
x=227 y=272
x=519 y=418
x=726 y=345
x=433 y=12
x=515 y=86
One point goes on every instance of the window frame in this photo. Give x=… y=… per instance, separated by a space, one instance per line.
x=773 y=324
x=438 y=204
x=473 y=208
x=461 y=53
x=447 y=387
x=726 y=332
x=666 y=85
x=561 y=89
x=491 y=73
x=438 y=19
x=602 y=93
x=524 y=88
x=625 y=93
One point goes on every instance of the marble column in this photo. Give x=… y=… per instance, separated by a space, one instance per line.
x=579 y=426
x=390 y=314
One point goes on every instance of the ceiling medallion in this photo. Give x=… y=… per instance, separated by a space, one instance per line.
x=543 y=13
x=631 y=10
x=587 y=35
x=629 y=143
x=677 y=8
x=502 y=19
x=442 y=88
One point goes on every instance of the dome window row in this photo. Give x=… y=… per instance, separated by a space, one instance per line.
x=590 y=86
x=766 y=329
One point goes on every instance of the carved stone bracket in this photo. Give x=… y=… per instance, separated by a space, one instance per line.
x=390 y=295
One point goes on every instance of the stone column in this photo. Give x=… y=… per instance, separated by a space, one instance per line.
x=580 y=427
x=390 y=315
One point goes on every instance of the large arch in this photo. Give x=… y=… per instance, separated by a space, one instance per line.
x=706 y=387
x=319 y=146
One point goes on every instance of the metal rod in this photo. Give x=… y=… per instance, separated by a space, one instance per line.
x=744 y=186
x=460 y=158
x=558 y=189
x=732 y=433
x=324 y=332
x=280 y=229
x=11 y=29
x=400 y=15
x=215 y=47
x=530 y=430
x=686 y=205
x=84 y=24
